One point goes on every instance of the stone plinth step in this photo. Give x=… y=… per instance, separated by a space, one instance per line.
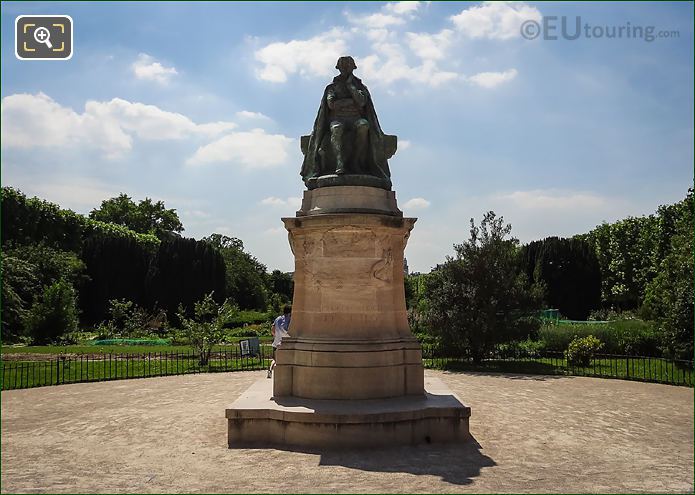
x=257 y=419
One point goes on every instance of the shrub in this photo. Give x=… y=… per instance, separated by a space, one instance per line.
x=206 y=328
x=582 y=349
x=480 y=298
x=634 y=337
x=54 y=314
x=249 y=331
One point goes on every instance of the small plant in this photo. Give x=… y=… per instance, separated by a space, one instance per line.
x=206 y=328
x=130 y=320
x=582 y=349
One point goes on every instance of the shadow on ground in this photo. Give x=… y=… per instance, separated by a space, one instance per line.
x=453 y=463
x=511 y=376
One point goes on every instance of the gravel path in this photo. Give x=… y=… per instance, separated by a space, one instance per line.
x=533 y=434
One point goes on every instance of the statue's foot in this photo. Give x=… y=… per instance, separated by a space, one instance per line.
x=339 y=171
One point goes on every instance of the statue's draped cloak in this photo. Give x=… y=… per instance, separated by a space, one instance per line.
x=377 y=162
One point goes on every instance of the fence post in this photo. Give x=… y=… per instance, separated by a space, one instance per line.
x=627 y=366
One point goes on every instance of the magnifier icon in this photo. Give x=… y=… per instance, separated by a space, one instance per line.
x=43 y=35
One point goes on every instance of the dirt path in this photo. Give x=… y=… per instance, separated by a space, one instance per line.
x=534 y=434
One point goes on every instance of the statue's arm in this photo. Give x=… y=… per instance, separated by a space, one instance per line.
x=358 y=95
x=330 y=98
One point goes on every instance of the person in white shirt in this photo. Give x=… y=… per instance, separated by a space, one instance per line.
x=280 y=329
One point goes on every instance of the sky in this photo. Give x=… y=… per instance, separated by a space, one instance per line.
x=202 y=105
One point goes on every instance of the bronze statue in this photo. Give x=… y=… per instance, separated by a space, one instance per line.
x=347 y=145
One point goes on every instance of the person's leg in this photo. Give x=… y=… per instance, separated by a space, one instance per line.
x=272 y=364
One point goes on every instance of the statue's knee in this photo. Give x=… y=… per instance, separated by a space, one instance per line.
x=337 y=127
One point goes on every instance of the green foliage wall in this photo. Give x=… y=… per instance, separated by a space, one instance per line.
x=569 y=270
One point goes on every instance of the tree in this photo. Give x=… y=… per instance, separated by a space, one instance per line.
x=117 y=268
x=669 y=296
x=146 y=217
x=481 y=297
x=206 y=328
x=569 y=270
x=54 y=314
x=183 y=271
x=19 y=284
x=246 y=277
x=282 y=284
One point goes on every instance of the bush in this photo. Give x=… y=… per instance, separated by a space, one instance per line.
x=480 y=298
x=54 y=314
x=206 y=328
x=248 y=331
x=633 y=337
x=127 y=319
x=582 y=349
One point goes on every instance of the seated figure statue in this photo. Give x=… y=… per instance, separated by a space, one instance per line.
x=347 y=145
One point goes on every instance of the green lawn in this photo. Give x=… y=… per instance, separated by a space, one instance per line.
x=25 y=374
x=643 y=369
x=85 y=348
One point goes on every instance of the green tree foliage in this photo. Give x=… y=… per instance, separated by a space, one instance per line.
x=19 y=284
x=50 y=264
x=26 y=270
x=53 y=314
x=282 y=284
x=246 y=277
x=35 y=221
x=630 y=252
x=669 y=296
x=206 y=328
x=145 y=217
x=183 y=272
x=117 y=268
x=481 y=297
x=569 y=271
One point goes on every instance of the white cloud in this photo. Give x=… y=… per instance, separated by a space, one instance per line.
x=553 y=200
x=76 y=193
x=404 y=144
x=273 y=201
x=147 y=68
x=393 y=56
x=247 y=115
x=253 y=149
x=495 y=20
x=430 y=46
x=492 y=79
x=391 y=14
x=313 y=57
x=402 y=8
x=377 y=20
x=38 y=121
x=416 y=204
x=390 y=65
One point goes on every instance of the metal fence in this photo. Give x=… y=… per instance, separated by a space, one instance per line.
x=102 y=367
x=639 y=368
x=96 y=367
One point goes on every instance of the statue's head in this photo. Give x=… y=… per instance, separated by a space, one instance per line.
x=346 y=65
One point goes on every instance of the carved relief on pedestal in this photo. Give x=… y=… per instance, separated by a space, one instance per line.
x=383 y=269
x=349 y=242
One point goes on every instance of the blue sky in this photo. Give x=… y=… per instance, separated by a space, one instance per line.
x=202 y=105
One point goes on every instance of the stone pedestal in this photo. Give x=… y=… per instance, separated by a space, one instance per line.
x=350 y=373
x=349 y=332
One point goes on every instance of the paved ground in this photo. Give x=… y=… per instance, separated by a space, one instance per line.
x=534 y=434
